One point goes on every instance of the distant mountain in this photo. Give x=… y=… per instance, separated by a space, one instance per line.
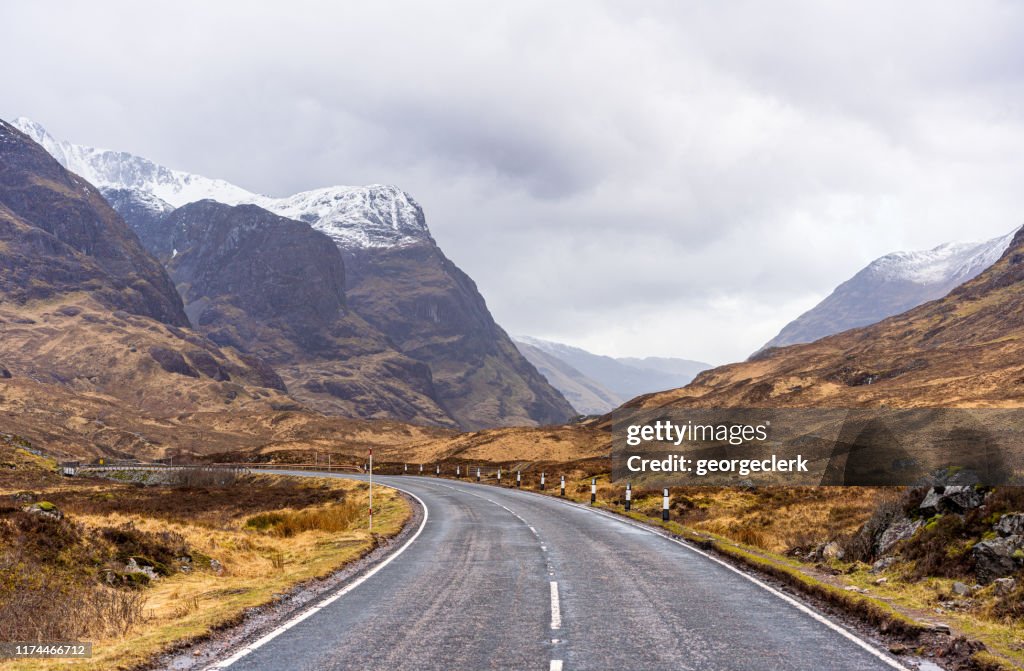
x=397 y=279
x=601 y=383
x=962 y=350
x=587 y=396
x=890 y=285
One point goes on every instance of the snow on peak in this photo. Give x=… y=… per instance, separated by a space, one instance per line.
x=952 y=261
x=353 y=216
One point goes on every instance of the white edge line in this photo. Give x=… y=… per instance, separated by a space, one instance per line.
x=331 y=599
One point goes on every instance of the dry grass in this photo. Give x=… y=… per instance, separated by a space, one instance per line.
x=234 y=566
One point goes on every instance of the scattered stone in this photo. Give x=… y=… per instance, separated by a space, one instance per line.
x=133 y=566
x=881 y=581
x=899 y=530
x=882 y=564
x=216 y=566
x=1010 y=525
x=832 y=550
x=961 y=589
x=954 y=499
x=998 y=557
x=854 y=588
x=898 y=649
x=45 y=508
x=1003 y=586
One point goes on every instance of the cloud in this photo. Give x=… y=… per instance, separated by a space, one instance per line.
x=665 y=178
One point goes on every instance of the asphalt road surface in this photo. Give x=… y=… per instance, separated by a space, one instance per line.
x=505 y=579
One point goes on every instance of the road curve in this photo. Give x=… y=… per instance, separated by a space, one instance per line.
x=504 y=579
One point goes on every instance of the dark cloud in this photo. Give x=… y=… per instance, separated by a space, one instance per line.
x=655 y=178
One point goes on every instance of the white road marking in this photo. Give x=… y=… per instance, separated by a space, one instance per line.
x=556 y=665
x=556 y=609
x=326 y=602
x=791 y=601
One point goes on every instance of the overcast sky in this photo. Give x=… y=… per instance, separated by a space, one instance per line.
x=680 y=179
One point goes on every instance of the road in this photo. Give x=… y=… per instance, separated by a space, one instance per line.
x=505 y=579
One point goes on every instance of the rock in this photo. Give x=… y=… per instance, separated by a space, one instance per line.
x=45 y=508
x=1003 y=586
x=1010 y=525
x=133 y=566
x=899 y=530
x=4 y=373
x=882 y=564
x=832 y=551
x=216 y=566
x=881 y=581
x=955 y=499
x=998 y=557
x=938 y=628
x=961 y=589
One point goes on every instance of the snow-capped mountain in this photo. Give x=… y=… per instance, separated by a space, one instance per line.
x=353 y=216
x=890 y=285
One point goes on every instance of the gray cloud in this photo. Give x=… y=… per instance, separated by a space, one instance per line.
x=672 y=178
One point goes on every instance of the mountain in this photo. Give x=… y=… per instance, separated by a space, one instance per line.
x=890 y=285
x=275 y=288
x=85 y=309
x=602 y=382
x=397 y=278
x=586 y=395
x=964 y=349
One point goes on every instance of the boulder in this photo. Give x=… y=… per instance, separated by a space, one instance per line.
x=45 y=508
x=956 y=499
x=882 y=564
x=1003 y=586
x=961 y=589
x=832 y=550
x=900 y=530
x=998 y=557
x=1010 y=525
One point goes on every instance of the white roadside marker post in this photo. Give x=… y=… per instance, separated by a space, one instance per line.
x=499 y=476
x=593 y=491
x=407 y=469
x=371 y=489
x=542 y=481
x=437 y=470
x=478 y=474
x=458 y=471
x=519 y=480
x=664 y=505
x=563 y=485
x=421 y=469
x=629 y=495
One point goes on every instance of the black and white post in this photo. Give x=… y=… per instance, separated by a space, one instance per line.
x=593 y=491
x=664 y=505
x=407 y=469
x=542 y=481
x=499 y=476
x=563 y=485
x=458 y=471
x=519 y=480
x=629 y=495
x=421 y=469
x=437 y=470
x=478 y=474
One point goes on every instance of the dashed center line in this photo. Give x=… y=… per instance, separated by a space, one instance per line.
x=556 y=609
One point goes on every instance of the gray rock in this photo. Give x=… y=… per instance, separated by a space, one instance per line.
x=832 y=551
x=134 y=567
x=1003 y=586
x=1010 y=525
x=955 y=499
x=961 y=589
x=882 y=564
x=216 y=566
x=998 y=557
x=900 y=530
